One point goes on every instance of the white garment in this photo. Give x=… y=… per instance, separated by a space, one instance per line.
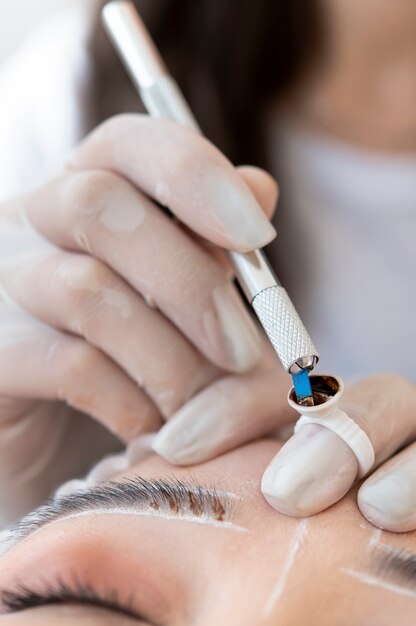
x=347 y=247
x=43 y=100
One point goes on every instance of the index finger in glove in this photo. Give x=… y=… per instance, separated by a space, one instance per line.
x=316 y=468
x=233 y=411
x=183 y=171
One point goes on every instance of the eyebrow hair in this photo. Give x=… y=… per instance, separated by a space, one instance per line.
x=395 y=563
x=165 y=497
x=392 y=568
x=389 y=568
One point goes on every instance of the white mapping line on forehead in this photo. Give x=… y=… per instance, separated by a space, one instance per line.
x=375 y=581
x=375 y=538
x=294 y=547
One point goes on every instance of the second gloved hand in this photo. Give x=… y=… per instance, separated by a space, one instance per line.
x=315 y=468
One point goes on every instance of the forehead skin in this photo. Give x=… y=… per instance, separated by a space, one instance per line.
x=282 y=572
x=337 y=539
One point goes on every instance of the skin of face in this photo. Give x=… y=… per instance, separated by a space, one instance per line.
x=264 y=568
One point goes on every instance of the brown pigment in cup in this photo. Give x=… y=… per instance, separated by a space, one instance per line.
x=323 y=389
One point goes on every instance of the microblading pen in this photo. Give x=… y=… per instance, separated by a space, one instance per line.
x=162 y=97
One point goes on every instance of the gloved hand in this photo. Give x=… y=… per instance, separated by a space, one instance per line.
x=315 y=468
x=110 y=309
x=82 y=262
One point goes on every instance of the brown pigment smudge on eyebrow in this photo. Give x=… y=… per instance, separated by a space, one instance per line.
x=173 y=504
x=218 y=510
x=154 y=506
x=195 y=505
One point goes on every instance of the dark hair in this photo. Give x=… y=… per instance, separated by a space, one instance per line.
x=231 y=56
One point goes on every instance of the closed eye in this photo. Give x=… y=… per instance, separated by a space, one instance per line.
x=22 y=598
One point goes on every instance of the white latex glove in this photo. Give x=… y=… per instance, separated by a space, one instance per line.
x=315 y=468
x=109 y=308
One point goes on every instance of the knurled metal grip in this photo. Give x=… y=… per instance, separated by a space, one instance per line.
x=283 y=326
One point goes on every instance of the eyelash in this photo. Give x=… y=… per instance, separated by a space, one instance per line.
x=24 y=597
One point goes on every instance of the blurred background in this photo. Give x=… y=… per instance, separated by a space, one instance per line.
x=18 y=17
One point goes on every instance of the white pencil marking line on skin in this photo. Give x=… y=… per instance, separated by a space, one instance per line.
x=231 y=495
x=294 y=547
x=203 y=519
x=8 y=543
x=374 y=581
x=388 y=549
x=375 y=538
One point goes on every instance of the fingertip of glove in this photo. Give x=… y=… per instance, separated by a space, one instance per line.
x=312 y=471
x=388 y=504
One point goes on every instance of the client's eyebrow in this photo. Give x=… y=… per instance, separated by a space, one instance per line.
x=395 y=563
x=163 y=497
x=391 y=569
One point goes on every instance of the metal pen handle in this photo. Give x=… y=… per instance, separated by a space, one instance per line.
x=162 y=97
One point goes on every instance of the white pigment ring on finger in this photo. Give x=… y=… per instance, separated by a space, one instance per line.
x=328 y=391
